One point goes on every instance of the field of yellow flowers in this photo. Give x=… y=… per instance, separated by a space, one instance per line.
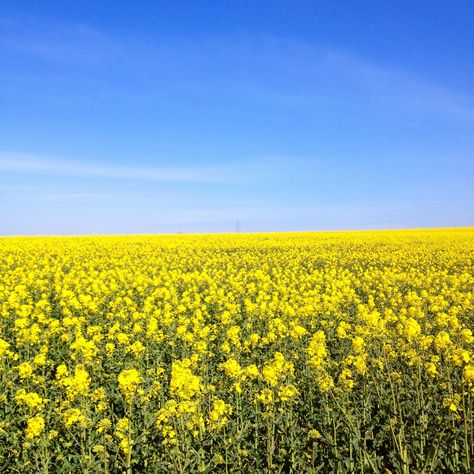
x=297 y=352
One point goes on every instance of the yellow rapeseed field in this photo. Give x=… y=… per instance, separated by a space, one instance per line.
x=295 y=352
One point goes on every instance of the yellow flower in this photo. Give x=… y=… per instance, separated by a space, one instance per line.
x=125 y=445
x=325 y=382
x=40 y=359
x=468 y=375
x=442 y=340
x=233 y=335
x=254 y=339
x=74 y=416
x=317 y=349
x=61 y=371
x=35 y=426
x=358 y=344
x=98 y=449
x=25 y=370
x=277 y=369
x=265 y=396
x=251 y=371
x=345 y=378
x=30 y=399
x=287 y=392
x=218 y=416
x=342 y=329
x=466 y=335
x=128 y=382
x=86 y=348
x=452 y=403
x=122 y=428
x=225 y=347
x=232 y=368
x=103 y=425
x=183 y=382
x=109 y=349
x=297 y=331
x=136 y=348
x=270 y=375
x=360 y=364
x=4 y=345
x=431 y=369
x=78 y=384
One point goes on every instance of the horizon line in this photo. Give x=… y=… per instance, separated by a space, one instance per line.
x=151 y=234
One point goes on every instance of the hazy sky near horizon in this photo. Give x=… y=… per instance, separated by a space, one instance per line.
x=177 y=116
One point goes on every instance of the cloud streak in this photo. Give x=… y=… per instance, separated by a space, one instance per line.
x=397 y=86
x=274 y=71
x=30 y=163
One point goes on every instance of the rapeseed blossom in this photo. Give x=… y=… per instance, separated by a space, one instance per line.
x=238 y=352
x=31 y=399
x=129 y=380
x=76 y=385
x=35 y=426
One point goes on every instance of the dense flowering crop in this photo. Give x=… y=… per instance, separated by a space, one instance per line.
x=302 y=352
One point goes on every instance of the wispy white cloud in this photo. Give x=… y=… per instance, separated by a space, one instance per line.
x=30 y=163
x=393 y=85
x=59 y=42
x=275 y=71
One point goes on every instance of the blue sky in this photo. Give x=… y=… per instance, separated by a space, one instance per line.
x=148 y=117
